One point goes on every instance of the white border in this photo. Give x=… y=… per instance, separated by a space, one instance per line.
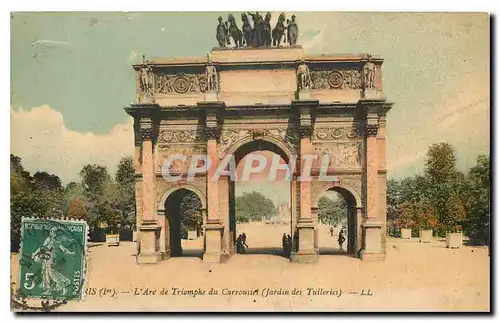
x=206 y=5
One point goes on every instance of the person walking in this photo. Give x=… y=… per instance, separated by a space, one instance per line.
x=284 y=242
x=244 y=240
x=239 y=245
x=341 y=240
x=331 y=231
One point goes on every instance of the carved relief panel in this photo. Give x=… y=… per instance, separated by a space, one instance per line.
x=341 y=154
x=336 y=79
x=180 y=83
x=164 y=152
x=343 y=145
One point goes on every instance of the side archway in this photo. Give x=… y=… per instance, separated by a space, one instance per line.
x=170 y=218
x=353 y=229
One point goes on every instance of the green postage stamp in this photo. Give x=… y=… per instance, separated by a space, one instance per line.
x=52 y=258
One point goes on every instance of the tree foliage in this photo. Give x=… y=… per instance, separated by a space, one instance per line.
x=190 y=209
x=332 y=211
x=477 y=201
x=253 y=206
x=452 y=200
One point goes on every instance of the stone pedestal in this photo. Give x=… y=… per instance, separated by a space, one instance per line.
x=213 y=242
x=372 y=232
x=149 y=243
x=305 y=94
x=306 y=252
x=211 y=97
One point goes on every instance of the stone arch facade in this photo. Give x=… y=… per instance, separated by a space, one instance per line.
x=338 y=115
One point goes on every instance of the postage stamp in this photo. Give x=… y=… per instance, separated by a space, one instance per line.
x=52 y=258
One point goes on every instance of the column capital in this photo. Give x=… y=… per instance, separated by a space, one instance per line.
x=306 y=132
x=371 y=129
x=212 y=133
x=146 y=129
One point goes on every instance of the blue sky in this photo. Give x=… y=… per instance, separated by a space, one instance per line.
x=71 y=76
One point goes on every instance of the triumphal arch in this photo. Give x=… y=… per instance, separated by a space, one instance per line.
x=239 y=100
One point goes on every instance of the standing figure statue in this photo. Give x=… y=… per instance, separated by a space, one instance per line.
x=247 y=30
x=304 y=76
x=234 y=31
x=258 y=30
x=279 y=30
x=146 y=78
x=267 y=30
x=211 y=76
x=292 y=31
x=369 y=73
x=222 y=34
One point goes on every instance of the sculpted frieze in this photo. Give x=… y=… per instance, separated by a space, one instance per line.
x=232 y=135
x=180 y=136
x=336 y=79
x=337 y=133
x=177 y=165
x=341 y=154
x=180 y=83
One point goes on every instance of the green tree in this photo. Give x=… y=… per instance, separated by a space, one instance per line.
x=253 y=206
x=332 y=211
x=440 y=162
x=125 y=178
x=443 y=182
x=190 y=210
x=477 y=199
x=76 y=209
x=47 y=180
x=425 y=215
x=405 y=215
x=455 y=214
x=95 y=181
x=30 y=198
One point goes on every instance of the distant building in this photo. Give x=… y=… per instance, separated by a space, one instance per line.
x=283 y=215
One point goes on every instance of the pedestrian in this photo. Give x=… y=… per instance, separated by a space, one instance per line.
x=244 y=240
x=239 y=245
x=331 y=231
x=341 y=240
x=284 y=242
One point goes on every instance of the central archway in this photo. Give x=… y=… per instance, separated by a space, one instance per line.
x=265 y=226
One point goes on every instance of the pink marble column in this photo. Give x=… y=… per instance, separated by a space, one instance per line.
x=372 y=225
x=306 y=148
x=149 y=230
x=148 y=206
x=371 y=172
x=212 y=186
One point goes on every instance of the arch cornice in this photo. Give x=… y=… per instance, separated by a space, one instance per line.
x=331 y=186
x=249 y=139
x=172 y=189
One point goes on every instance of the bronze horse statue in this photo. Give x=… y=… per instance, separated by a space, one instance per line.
x=234 y=31
x=247 y=30
x=279 y=30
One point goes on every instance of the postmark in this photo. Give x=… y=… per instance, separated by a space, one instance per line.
x=52 y=259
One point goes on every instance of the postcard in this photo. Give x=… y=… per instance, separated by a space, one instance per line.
x=250 y=162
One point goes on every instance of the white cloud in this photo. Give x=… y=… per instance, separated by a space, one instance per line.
x=132 y=56
x=42 y=140
x=43 y=42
